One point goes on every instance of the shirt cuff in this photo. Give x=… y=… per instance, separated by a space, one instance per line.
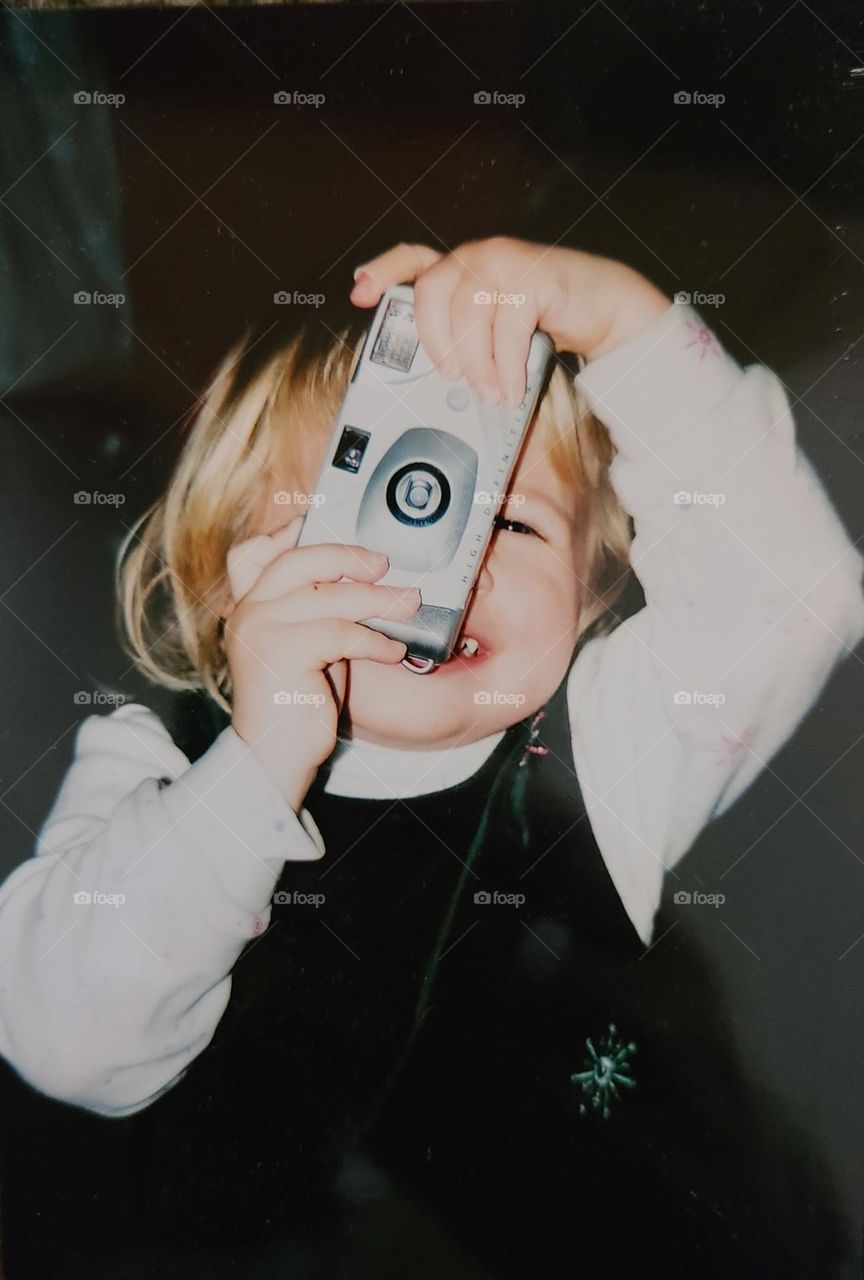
x=660 y=381
x=228 y=807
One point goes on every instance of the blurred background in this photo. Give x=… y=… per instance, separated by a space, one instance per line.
x=155 y=196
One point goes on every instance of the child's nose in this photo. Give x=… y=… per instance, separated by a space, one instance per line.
x=485 y=581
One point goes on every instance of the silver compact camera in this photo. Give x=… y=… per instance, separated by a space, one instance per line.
x=417 y=467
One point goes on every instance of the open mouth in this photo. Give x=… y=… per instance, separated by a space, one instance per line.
x=468 y=647
x=469 y=651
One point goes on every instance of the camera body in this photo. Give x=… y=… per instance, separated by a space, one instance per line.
x=417 y=467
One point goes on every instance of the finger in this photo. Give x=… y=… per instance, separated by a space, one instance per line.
x=248 y=560
x=321 y=562
x=244 y=565
x=432 y=295
x=286 y=536
x=352 y=601
x=471 y=322
x=245 y=561
x=511 y=340
x=400 y=265
x=320 y=644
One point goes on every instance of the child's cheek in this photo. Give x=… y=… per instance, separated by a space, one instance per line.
x=543 y=629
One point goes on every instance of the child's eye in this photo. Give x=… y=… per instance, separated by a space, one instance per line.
x=513 y=526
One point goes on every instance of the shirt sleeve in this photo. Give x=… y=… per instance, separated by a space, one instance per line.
x=118 y=936
x=752 y=589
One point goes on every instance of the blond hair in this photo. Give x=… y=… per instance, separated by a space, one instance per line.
x=265 y=404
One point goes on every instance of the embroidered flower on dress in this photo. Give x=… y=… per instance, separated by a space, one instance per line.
x=607 y=1068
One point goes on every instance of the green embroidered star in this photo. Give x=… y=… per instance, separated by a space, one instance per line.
x=606 y=1070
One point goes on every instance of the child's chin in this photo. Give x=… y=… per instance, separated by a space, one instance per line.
x=421 y=709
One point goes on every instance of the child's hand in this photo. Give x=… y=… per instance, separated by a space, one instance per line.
x=292 y=620
x=477 y=307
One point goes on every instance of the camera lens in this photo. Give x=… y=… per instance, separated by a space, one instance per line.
x=418 y=494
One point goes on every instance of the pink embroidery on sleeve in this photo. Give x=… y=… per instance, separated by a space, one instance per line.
x=730 y=748
x=704 y=340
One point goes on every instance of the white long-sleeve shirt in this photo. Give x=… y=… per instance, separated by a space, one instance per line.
x=753 y=595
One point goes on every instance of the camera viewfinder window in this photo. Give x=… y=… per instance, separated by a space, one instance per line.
x=397 y=341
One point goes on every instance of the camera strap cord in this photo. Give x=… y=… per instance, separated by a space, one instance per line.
x=524 y=740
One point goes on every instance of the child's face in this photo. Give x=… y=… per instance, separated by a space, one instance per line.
x=524 y=613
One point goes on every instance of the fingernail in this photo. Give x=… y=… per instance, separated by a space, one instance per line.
x=365 y=282
x=357 y=270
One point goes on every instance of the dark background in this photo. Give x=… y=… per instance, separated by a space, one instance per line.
x=758 y=199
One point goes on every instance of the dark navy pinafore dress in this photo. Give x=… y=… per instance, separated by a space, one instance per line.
x=460 y=1062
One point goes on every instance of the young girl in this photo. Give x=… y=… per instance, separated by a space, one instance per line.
x=370 y=987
